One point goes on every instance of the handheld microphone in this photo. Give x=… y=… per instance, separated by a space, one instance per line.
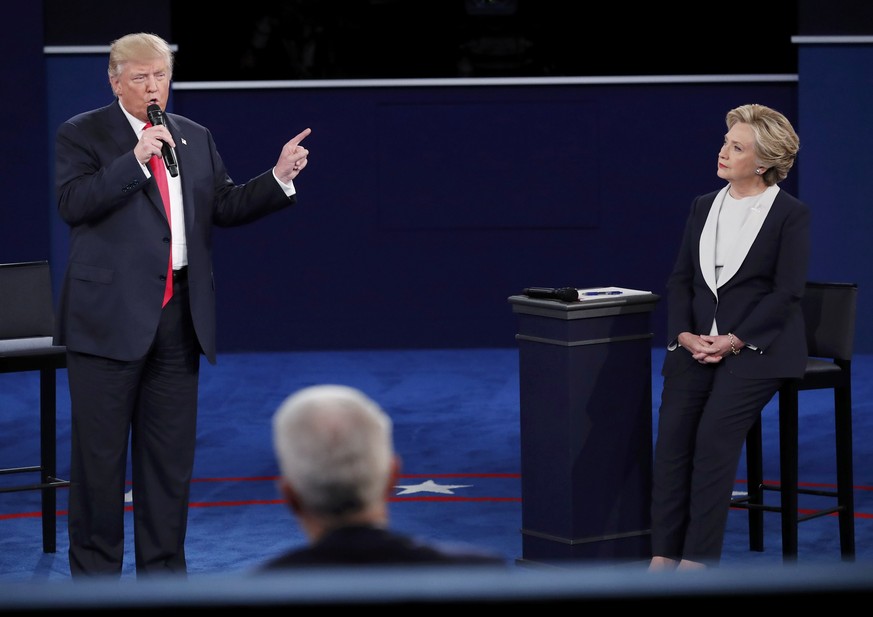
x=156 y=117
x=565 y=294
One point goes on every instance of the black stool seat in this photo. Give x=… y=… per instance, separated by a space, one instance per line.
x=829 y=311
x=26 y=323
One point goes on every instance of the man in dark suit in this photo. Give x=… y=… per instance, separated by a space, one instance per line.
x=338 y=465
x=133 y=340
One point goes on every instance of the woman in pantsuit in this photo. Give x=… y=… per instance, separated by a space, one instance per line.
x=735 y=332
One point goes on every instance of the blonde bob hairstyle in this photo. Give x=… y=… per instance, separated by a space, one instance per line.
x=776 y=142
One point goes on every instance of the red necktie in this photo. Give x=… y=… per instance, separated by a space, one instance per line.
x=160 y=174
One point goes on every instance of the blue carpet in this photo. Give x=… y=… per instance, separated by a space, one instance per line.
x=456 y=415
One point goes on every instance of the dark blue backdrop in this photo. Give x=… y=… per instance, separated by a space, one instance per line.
x=425 y=206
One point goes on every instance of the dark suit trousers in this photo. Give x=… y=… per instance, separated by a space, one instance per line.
x=150 y=403
x=705 y=414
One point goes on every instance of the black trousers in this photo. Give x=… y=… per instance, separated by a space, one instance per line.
x=150 y=404
x=705 y=414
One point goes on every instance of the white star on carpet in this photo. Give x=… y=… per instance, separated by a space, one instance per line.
x=430 y=486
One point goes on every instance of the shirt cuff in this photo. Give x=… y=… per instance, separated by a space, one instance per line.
x=288 y=188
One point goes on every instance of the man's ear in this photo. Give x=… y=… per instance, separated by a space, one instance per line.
x=396 y=464
x=289 y=495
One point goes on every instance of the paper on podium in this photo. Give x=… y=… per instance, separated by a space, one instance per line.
x=612 y=293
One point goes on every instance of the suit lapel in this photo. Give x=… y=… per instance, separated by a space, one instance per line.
x=757 y=214
x=707 y=242
x=121 y=132
x=748 y=233
x=119 y=128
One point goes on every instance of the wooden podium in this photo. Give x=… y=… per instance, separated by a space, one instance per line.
x=586 y=426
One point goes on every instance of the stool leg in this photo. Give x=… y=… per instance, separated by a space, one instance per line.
x=845 y=488
x=788 y=436
x=754 y=480
x=48 y=461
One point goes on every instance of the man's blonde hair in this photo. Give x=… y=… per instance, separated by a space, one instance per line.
x=138 y=47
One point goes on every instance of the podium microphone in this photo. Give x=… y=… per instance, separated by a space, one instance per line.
x=565 y=294
x=156 y=117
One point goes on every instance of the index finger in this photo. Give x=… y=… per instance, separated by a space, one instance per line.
x=299 y=137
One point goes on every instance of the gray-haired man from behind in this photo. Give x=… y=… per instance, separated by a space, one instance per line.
x=335 y=451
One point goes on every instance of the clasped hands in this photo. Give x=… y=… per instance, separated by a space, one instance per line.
x=706 y=348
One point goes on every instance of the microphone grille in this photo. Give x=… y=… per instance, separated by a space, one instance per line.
x=567 y=294
x=156 y=116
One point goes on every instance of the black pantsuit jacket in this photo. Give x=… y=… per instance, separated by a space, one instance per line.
x=758 y=295
x=707 y=409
